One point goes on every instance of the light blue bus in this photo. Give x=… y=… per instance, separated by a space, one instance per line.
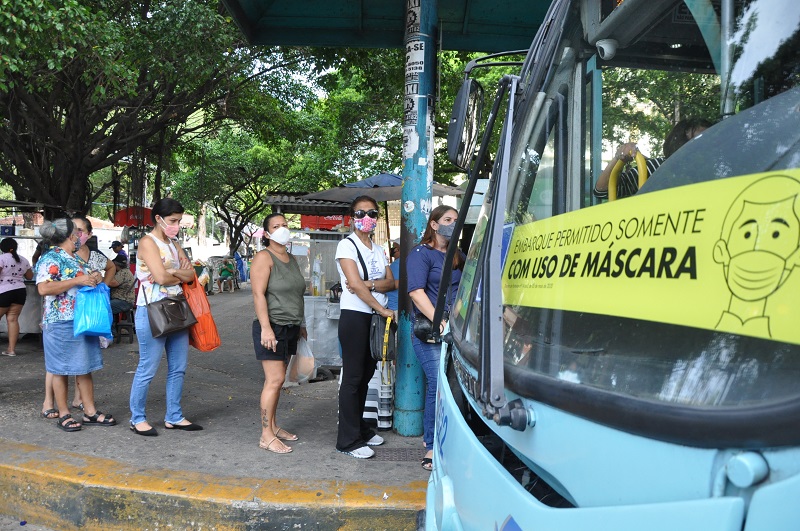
x=634 y=364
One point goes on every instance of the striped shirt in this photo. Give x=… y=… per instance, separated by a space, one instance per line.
x=628 y=182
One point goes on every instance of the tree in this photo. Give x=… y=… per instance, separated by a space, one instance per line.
x=233 y=172
x=84 y=84
x=639 y=103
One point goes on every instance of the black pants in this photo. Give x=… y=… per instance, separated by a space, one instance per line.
x=357 y=370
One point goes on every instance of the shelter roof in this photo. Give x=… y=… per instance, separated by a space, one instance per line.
x=293 y=203
x=469 y=25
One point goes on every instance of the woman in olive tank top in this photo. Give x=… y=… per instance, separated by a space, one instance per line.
x=278 y=287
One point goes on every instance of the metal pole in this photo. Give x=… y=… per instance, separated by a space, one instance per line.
x=421 y=18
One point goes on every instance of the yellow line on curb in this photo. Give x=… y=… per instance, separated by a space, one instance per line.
x=86 y=471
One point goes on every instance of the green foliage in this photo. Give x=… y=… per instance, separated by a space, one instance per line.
x=86 y=83
x=649 y=102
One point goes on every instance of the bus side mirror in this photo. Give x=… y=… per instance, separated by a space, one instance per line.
x=462 y=133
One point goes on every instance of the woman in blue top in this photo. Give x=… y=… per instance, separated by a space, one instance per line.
x=424 y=267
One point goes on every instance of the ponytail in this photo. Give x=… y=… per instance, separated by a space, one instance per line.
x=9 y=245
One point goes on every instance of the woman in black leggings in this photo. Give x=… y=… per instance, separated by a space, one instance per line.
x=363 y=269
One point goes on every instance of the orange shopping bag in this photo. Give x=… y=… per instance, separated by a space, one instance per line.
x=203 y=335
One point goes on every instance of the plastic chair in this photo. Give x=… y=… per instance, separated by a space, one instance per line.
x=125 y=322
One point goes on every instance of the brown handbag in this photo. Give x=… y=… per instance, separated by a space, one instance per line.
x=168 y=315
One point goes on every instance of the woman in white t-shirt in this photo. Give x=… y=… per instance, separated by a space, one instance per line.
x=363 y=269
x=14 y=270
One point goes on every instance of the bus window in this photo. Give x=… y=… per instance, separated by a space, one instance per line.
x=672 y=70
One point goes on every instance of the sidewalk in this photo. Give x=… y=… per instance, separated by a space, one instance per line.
x=218 y=478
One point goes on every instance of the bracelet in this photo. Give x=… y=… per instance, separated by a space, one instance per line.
x=373 y=286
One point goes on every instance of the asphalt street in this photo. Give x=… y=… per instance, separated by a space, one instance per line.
x=221 y=392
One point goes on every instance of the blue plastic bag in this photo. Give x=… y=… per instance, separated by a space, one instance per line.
x=93 y=312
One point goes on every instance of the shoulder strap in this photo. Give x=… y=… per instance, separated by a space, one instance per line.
x=360 y=258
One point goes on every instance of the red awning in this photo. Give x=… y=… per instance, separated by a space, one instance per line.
x=134 y=216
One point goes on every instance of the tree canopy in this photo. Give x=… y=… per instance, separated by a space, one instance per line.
x=86 y=83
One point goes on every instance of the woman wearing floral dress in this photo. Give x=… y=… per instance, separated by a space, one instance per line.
x=97 y=261
x=59 y=274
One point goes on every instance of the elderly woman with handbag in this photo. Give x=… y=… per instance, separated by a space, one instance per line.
x=161 y=267
x=363 y=269
x=424 y=265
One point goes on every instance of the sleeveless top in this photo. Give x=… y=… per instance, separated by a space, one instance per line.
x=155 y=291
x=285 y=291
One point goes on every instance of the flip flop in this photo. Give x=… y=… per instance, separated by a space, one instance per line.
x=50 y=414
x=288 y=437
x=427 y=463
x=267 y=447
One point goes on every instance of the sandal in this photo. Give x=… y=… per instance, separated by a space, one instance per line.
x=10 y=354
x=427 y=463
x=286 y=450
x=67 y=423
x=50 y=414
x=79 y=406
x=288 y=436
x=93 y=420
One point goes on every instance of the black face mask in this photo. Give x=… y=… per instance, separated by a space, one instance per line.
x=446 y=231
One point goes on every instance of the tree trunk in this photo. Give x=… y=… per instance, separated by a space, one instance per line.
x=201 y=226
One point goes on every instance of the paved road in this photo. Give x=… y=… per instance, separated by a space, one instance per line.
x=221 y=393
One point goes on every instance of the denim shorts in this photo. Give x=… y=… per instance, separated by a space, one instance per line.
x=66 y=355
x=286 y=335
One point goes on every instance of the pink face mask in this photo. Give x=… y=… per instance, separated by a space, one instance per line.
x=366 y=224
x=170 y=230
x=83 y=237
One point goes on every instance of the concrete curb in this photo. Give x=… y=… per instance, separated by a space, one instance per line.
x=65 y=490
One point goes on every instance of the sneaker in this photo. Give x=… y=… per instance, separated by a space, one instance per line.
x=376 y=440
x=365 y=452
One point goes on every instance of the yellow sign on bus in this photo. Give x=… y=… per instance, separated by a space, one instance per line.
x=721 y=255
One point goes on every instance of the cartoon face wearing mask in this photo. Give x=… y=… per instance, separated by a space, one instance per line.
x=170 y=230
x=761 y=250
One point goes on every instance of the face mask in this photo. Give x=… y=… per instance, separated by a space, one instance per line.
x=280 y=236
x=83 y=238
x=365 y=224
x=170 y=230
x=77 y=243
x=755 y=275
x=446 y=231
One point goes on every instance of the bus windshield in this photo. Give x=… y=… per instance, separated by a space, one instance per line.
x=639 y=297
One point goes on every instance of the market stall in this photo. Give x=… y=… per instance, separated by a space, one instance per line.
x=315 y=252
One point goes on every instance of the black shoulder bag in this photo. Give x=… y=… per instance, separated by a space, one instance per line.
x=382 y=330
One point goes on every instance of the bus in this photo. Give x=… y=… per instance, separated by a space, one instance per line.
x=628 y=364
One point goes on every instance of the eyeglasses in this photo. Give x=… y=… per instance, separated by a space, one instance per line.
x=359 y=214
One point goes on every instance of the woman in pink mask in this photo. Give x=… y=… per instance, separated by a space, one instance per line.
x=161 y=267
x=363 y=269
x=98 y=263
x=60 y=273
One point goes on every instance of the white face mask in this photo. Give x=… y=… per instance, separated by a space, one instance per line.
x=281 y=236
